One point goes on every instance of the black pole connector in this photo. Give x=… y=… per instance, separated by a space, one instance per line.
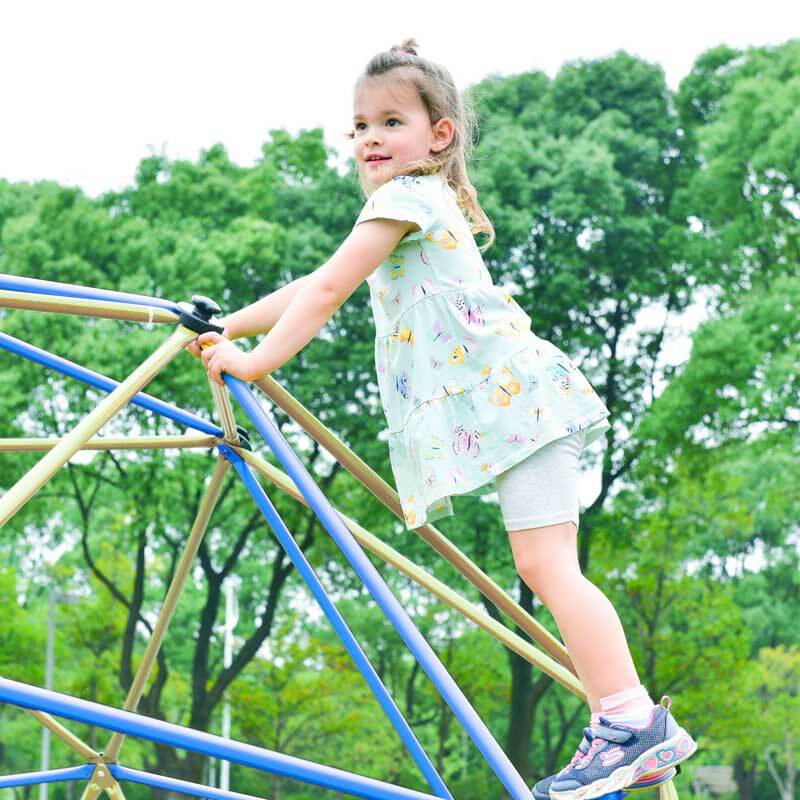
x=244 y=438
x=196 y=316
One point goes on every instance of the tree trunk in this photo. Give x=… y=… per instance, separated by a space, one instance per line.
x=745 y=777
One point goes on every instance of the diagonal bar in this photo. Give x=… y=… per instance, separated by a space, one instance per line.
x=30 y=483
x=111 y=753
x=389 y=604
x=447 y=595
x=440 y=543
x=339 y=625
x=72 y=370
x=91 y=713
x=66 y=736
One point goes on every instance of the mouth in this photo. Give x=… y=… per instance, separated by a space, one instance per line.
x=376 y=159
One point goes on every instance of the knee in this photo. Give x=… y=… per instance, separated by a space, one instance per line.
x=548 y=577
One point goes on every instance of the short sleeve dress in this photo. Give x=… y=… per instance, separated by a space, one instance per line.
x=467 y=388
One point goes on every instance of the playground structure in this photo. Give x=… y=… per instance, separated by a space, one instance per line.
x=102 y=770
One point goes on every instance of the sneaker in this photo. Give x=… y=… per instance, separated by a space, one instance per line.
x=623 y=756
x=541 y=791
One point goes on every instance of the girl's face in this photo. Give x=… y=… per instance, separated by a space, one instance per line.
x=390 y=121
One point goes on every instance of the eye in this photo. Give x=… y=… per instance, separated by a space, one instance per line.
x=393 y=119
x=358 y=125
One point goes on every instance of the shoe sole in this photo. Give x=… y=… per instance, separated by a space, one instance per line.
x=647 y=783
x=667 y=754
x=650 y=782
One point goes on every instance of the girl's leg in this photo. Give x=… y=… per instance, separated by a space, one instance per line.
x=547 y=560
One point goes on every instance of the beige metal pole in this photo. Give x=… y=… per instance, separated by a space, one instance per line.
x=225 y=411
x=66 y=736
x=440 y=543
x=113 y=443
x=111 y=753
x=37 y=476
x=447 y=595
x=85 y=308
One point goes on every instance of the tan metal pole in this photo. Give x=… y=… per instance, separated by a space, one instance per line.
x=66 y=736
x=225 y=411
x=85 y=308
x=113 y=443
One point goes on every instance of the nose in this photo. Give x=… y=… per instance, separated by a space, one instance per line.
x=371 y=136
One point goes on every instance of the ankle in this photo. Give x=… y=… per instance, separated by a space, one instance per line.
x=630 y=706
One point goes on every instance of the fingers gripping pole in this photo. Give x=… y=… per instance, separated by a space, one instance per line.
x=30 y=483
x=383 y=596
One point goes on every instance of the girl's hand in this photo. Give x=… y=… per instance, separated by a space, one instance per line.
x=194 y=349
x=224 y=356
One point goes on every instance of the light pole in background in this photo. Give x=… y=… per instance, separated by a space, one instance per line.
x=231 y=618
x=229 y=588
x=53 y=597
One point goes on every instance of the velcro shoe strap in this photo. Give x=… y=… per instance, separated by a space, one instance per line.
x=612 y=734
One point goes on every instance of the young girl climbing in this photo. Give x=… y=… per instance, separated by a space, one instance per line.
x=474 y=400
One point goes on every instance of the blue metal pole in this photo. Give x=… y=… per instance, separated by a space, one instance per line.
x=47 y=776
x=383 y=596
x=17 y=283
x=340 y=626
x=174 y=784
x=72 y=370
x=156 y=730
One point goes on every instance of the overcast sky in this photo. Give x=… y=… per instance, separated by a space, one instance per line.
x=90 y=88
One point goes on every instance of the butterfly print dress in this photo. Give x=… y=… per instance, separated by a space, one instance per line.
x=467 y=388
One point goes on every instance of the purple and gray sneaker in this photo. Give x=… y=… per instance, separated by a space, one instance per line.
x=624 y=757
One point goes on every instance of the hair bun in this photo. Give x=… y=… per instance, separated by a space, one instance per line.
x=409 y=46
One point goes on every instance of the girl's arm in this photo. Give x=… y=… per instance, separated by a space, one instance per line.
x=317 y=300
x=261 y=316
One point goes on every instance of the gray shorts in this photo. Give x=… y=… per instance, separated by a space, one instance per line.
x=543 y=489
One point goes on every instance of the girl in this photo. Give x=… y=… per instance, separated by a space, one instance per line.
x=474 y=400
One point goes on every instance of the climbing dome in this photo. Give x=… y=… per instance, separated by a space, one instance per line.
x=103 y=771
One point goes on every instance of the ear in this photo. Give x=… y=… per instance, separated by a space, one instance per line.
x=442 y=134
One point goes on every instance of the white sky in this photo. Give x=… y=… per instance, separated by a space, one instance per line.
x=90 y=88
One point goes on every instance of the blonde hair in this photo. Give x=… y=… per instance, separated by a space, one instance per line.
x=437 y=91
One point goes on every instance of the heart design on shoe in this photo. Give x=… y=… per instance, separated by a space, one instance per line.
x=666 y=755
x=651 y=763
